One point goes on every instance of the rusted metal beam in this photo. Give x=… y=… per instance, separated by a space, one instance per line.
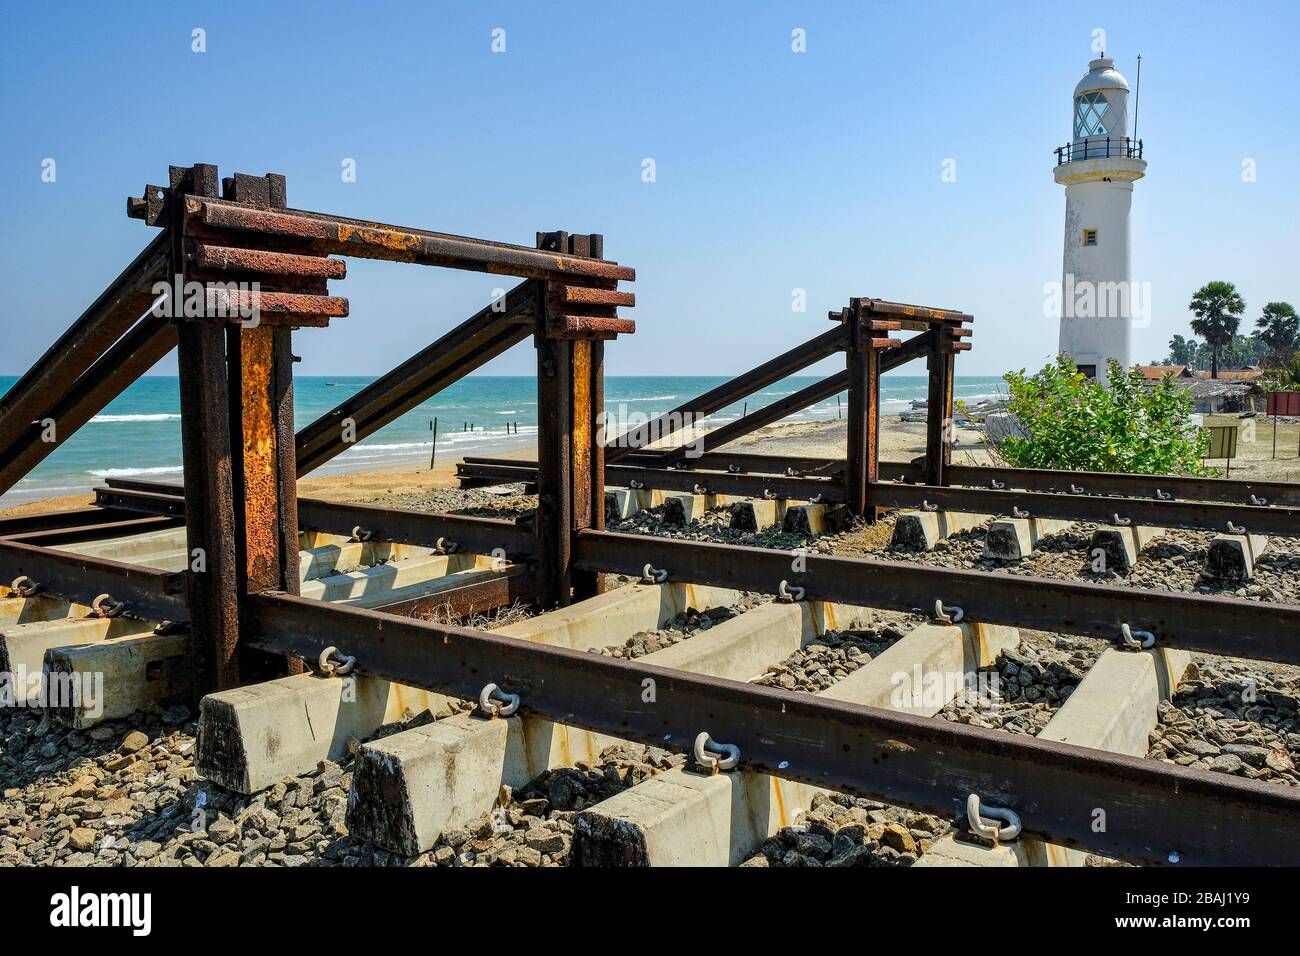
x=130 y=357
x=228 y=258
x=891 y=359
x=1156 y=812
x=1193 y=622
x=114 y=312
x=1196 y=515
x=486 y=334
x=51 y=537
x=786 y=364
x=678 y=479
x=472 y=534
x=735 y=462
x=1163 y=487
x=938 y=416
x=863 y=445
x=516 y=585
x=209 y=504
x=148 y=593
x=339 y=235
x=554 y=519
x=19 y=525
x=140 y=501
x=782 y=407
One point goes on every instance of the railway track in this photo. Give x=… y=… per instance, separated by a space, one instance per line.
x=302 y=630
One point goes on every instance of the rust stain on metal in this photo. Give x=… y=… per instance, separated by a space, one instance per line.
x=391 y=239
x=259 y=458
x=211 y=256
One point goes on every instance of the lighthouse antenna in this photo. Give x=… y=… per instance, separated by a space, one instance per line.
x=1137 y=97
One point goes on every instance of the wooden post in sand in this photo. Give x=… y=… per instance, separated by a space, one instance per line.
x=433 y=450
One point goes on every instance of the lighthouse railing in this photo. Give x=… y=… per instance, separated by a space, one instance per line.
x=1096 y=147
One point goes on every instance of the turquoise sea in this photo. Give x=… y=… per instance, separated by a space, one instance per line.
x=138 y=434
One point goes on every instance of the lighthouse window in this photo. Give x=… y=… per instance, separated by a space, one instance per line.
x=1088 y=111
x=1090 y=237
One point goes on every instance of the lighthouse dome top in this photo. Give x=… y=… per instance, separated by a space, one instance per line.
x=1102 y=75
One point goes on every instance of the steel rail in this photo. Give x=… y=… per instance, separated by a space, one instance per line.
x=713 y=483
x=148 y=593
x=1156 y=812
x=797 y=358
x=1196 y=515
x=1236 y=490
x=114 y=311
x=1195 y=622
x=471 y=534
x=468 y=346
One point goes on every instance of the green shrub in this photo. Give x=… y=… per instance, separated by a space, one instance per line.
x=1071 y=422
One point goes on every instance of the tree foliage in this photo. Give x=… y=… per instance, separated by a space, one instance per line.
x=1071 y=422
x=1279 y=330
x=1217 y=307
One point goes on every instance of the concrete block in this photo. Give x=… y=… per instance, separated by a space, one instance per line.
x=1013 y=539
x=610 y=618
x=925 y=670
x=127 y=549
x=23 y=646
x=420 y=782
x=620 y=503
x=922 y=530
x=681 y=508
x=1113 y=709
x=254 y=736
x=409 y=787
x=805 y=519
x=1234 y=555
x=38 y=607
x=682 y=818
x=118 y=676
x=756 y=514
x=685 y=818
x=402 y=580
x=1121 y=547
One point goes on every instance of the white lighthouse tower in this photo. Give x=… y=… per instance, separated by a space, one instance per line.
x=1098 y=168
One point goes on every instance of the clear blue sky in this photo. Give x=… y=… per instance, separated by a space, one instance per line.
x=775 y=170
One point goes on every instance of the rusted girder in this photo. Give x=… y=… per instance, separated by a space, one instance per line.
x=475 y=535
x=672 y=479
x=97 y=531
x=210 y=256
x=142 y=347
x=1157 y=812
x=1193 y=622
x=788 y=363
x=1155 y=487
x=1196 y=515
x=734 y=462
x=54 y=375
x=483 y=336
x=338 y=235
x=158 y=595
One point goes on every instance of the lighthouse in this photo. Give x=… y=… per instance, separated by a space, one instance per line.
x=1098 y=168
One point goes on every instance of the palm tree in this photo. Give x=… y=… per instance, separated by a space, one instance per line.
x=1279 y=330
x=1217 y=307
